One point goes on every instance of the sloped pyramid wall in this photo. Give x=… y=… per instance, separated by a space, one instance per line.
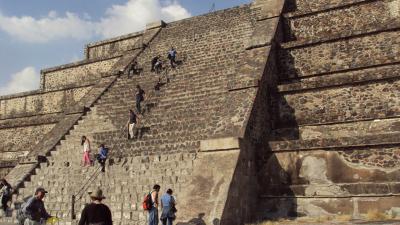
x=334 y=146
x=190 y=132
x=284 y=115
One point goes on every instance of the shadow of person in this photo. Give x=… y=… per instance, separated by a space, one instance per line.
x=196 y=221
x=199 y=220
x=216 y=221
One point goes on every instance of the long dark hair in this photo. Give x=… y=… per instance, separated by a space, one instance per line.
x=83 y=140
x=5 y=183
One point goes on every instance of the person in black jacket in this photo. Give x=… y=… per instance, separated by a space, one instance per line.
x=5 y=194
x=34 y=208
x=140 y=96
x=96 y=212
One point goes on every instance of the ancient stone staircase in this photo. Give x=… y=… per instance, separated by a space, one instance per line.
x=335 y=141
x=187 y=110
x=63 y=174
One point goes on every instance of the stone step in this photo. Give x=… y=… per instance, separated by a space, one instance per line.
x=343 y=78
x=340 y=142
x=342 y=22
x=334 y=105
x=361 y=189
x=154 y=138
x=304 y=7
x=329 y=57
x=328 y=131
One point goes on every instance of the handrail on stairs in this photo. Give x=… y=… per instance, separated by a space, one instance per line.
x=78 y=196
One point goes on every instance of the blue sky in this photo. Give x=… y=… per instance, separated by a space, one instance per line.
x=36 y=34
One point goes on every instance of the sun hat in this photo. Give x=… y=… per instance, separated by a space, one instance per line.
x=98 y=194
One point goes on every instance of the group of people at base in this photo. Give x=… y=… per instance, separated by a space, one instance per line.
x=151 y=203
x=101 y=157
x=33 y=211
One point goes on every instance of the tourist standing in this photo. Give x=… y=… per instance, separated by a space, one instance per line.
x=154 y=60
x=153 y=212
x=86 y=151
x=133 y=68
x=168 y=208
x=159 y=65
x=132 y=130
x=139 y=94
x=34 y=209
x=96 y=213
x=5 y=194
x=102 y=157
x=172 y=57
x=156 y=64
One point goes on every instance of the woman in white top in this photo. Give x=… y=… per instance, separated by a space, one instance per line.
x=86 y=151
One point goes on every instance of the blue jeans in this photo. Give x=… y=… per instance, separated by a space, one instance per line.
x=167 y=221
x=138 y=108
x=167 y=216
x=153 y=216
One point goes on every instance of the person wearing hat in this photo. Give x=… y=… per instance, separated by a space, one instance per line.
x=96 y=212
x=34 y=208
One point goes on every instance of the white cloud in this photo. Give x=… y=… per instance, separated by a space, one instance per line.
x=174 y=11
x=51 y=27
x=118 y=19
x=25 y=80
x=133 y=16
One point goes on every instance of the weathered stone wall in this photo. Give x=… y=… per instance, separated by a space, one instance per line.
x=40 y=103
x=212 y=183
x=5 y=168
x=374 y=100
x=334 y=144
x=346 y=21
x=327 y=57
x=17 y=142
x=340 y=130
x=76 y=75
x=334 y=175
x=113 y=47
x=341 y=167
x=307 y=6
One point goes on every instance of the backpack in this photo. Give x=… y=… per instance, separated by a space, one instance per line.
x=21 y=215
x=147 y=202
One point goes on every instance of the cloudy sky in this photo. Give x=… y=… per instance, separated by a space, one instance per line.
x=36 y=34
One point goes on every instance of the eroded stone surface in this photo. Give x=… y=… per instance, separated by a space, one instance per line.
x=343 y=21
x=330 y=57
x=87 y=74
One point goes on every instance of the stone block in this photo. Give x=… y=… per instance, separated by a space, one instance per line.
x=156 y=24
x=315 y=26
x=264 y=33
x=213 y=181
x=268 y=8
x=219 y=144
